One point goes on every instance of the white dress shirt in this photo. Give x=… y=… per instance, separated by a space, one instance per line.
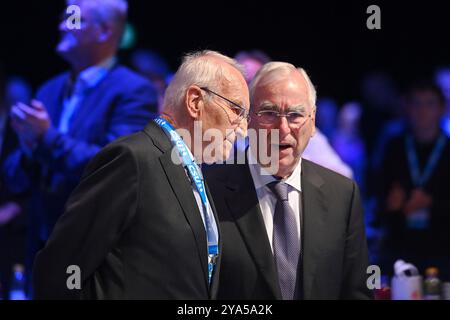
x=267 y=199
x=199 y=202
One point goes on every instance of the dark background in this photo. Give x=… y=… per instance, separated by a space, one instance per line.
x=328 y=38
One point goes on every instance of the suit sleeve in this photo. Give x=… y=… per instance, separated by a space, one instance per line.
x=356 y=254
x=132 y=111
x=97 y=213
x=15 y=172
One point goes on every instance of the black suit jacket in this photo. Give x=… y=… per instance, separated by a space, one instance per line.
x=334 y=255
x=132 y=226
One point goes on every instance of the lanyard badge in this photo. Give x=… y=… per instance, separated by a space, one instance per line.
x=193 y=170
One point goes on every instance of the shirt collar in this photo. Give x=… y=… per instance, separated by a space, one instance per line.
x=261 y=177
x=91 y=76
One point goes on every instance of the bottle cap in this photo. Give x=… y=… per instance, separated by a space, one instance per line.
x=431 y=272
x=403 y=269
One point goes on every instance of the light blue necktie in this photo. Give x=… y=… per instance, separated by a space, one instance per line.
x=71 y=104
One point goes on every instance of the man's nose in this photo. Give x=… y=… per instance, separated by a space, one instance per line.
x=242 y=128
x=284 y=126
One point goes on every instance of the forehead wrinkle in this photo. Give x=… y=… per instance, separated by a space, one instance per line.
x=237 y=101
x=268 y=105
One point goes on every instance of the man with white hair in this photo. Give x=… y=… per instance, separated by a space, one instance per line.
x=75 y=114
x=141 y=224
x=291 y=229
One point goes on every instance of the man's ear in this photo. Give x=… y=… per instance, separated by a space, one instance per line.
x=105 y=32
x=194 y=102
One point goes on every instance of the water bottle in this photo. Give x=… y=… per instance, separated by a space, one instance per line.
x=17 y=291
x=432 y=284
x=406 y=283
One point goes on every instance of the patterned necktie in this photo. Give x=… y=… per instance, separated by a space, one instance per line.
x=286 y=244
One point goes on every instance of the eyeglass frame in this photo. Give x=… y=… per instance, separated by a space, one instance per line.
x=284 y=114
x=244 y=114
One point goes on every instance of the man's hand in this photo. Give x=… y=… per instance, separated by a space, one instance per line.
x=419 y=199
x=30 y=122
x=396 y=198
x=8 y=212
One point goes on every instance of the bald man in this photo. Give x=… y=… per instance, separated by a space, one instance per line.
x=141 y=224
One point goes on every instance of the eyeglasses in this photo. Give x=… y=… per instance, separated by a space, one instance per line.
x=293 y=117
x=241 y=112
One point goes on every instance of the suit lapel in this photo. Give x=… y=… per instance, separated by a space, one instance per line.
x=183 y=192
x=89 y=102
x=87 y=106
x=315 y=210
x=242 y=202
x=79 y=117
x=56 y=106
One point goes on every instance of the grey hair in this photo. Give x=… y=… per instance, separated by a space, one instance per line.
x=273 y=71
x=111 y=12
x=312 y=89
x=195 y=70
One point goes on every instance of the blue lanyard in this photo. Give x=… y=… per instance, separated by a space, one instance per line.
x=195 y=175
x=418 y=179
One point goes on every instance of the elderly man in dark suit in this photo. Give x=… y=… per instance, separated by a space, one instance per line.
x=141 y=223
x=291 y=229
x=75 y=114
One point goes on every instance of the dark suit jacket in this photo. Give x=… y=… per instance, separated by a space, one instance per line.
x=9 y=144
x=133 y=227
x=334 y=251
x=122 y=103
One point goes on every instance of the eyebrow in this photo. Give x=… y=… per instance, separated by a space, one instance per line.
x=298 y=108
x=267 y=105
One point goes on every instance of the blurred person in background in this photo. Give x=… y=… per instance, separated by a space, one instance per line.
x=381 y=120
x=252 y=61
x=348 y=143
x=319 y=149
x=327 y=115
x=18 y=90
x=155 y=68
x=414 y=202
x=379 y=97
x=442 y=79
x=74 y=115
x=12 y=207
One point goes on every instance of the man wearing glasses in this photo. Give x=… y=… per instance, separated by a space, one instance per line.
x=294 y=230
x=141 y=224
